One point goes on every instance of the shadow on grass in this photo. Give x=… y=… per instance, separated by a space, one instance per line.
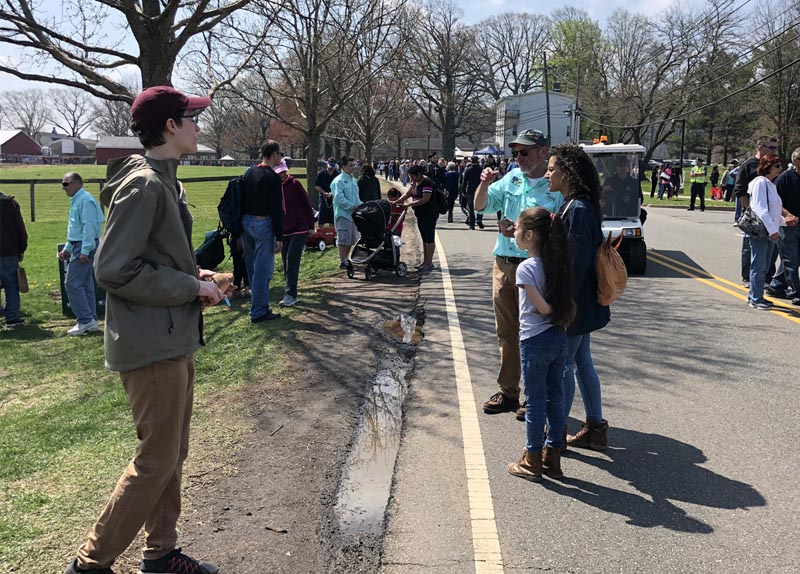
x=27 y=332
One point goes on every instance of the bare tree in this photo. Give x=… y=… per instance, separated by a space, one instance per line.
x=509 y=52
x=27 y=110
x=112 y=118
x=440 y=68
x=79 y=44
x=316 y=58
x=71 y=111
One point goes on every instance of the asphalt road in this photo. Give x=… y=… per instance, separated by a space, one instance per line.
x=701 y=395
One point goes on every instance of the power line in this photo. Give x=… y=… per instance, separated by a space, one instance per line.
x=708 y=105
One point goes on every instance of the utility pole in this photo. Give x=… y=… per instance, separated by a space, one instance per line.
x=547 y=96
x=428 y=155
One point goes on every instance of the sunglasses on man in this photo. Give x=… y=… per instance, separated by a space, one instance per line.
x=523 y=152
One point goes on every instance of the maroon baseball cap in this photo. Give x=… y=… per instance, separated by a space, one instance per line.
x=157 y=104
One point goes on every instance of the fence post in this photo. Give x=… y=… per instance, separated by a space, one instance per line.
x=33 y=201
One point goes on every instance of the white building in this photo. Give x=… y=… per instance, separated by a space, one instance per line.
x=528 y=111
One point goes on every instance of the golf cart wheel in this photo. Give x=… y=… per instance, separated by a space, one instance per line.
x=401 y=270
x=351 y=272
x=322 y=245
x=368 y=273
x=638 y=257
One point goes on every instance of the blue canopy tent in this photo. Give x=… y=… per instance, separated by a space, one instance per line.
x=488 y=150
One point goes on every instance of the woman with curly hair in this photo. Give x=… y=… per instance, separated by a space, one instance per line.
x=571 y=172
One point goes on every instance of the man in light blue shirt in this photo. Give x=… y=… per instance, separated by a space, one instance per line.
x=522 y=188
x=83 y=231
x=345 y=200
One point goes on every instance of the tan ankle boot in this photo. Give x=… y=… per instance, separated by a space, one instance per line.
x=592 y=435
x=551 y=462
x=528 y=467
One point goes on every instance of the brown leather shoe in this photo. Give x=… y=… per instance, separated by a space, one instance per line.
x=592 y=435
x=528 y=467
x=521 y=412
x=499 y=403
x=551 y=462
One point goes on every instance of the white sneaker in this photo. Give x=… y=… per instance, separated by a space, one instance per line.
x=90 y=327
x=288 y=301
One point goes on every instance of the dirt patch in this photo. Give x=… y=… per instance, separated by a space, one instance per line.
x=264 y=502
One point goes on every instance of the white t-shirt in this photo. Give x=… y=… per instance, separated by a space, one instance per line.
x=531 y=322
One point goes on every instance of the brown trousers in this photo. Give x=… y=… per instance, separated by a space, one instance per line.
x=505 y=297
x=149 y=492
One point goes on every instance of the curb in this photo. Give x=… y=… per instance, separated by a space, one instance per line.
x=685 y=207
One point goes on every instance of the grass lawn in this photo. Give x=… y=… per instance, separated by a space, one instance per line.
x=65 y=429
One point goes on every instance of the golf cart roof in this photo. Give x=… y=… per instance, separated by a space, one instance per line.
x=613 y=148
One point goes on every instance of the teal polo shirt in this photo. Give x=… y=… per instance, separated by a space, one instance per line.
x=512 y=195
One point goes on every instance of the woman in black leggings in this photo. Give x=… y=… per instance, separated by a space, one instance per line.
x=421 y=193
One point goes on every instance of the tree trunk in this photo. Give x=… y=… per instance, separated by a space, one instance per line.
x=448 y=133
x=155 y=63
x=312 y=156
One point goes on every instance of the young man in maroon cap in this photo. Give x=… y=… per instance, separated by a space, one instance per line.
x=146 y=264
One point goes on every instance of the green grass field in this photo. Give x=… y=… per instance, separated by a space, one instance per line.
x=65 y=430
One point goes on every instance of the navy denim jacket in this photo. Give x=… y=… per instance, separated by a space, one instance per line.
x=585 y=236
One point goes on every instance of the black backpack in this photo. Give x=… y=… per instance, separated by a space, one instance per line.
x=440 y=200
x=230 y=206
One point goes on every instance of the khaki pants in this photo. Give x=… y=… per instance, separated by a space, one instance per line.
x=505 y=297
x=149 y=492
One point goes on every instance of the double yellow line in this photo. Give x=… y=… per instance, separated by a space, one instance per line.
x=720 y=284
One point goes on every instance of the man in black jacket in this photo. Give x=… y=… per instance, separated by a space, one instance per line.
x=13 y=243
x=469 y=183
x=263 y=228
x=747 y=173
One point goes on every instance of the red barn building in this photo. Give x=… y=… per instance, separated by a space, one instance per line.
x=17 y=142
x=116 y=147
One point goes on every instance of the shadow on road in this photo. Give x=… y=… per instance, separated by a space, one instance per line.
x=663 y=470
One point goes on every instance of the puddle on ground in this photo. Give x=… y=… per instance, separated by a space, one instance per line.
x=367 y=480
x=403 y=328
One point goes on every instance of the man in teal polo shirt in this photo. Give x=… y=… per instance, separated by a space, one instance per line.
x=345 y=200
x=521 y=188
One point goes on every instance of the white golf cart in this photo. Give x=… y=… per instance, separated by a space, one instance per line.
x=618 y=166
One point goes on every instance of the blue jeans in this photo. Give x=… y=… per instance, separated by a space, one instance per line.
x=259 y=258
x=760 y=252
x=79 y=284
x=8 y=276
x=579 y=356
x=542 y=376
x=789 y=247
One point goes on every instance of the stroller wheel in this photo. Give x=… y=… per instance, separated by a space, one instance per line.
x=401 y=270
x=368 y=273
x=351 y=272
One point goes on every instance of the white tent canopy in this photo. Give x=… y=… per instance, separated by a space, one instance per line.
x=227 y=158
x=460 y=154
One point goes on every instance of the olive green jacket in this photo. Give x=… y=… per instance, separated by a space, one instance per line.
x=146 y=264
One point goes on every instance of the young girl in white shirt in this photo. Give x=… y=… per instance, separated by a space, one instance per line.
x=545 y=309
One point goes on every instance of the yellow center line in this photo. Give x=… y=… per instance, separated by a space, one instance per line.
x=709 y=279
x=485 y=539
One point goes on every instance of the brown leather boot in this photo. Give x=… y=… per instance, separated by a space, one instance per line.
x=528 y=467
x=551 y=462
x=592 y=435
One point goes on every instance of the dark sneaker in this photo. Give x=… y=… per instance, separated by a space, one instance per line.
x=15 y=322
x=268 y=316
x=775 y=292
x=343 y=265
x=73 y=569
x=499 y=403
x=761 y=305
x=176 y=562
x=746 y=283
x=796 y=301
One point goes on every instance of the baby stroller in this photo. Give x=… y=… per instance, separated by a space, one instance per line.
x=378 y=247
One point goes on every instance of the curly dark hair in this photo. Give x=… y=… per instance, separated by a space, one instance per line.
x=579 y=172
x=554 y=245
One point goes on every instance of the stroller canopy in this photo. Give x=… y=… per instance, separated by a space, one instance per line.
x=371 y=219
